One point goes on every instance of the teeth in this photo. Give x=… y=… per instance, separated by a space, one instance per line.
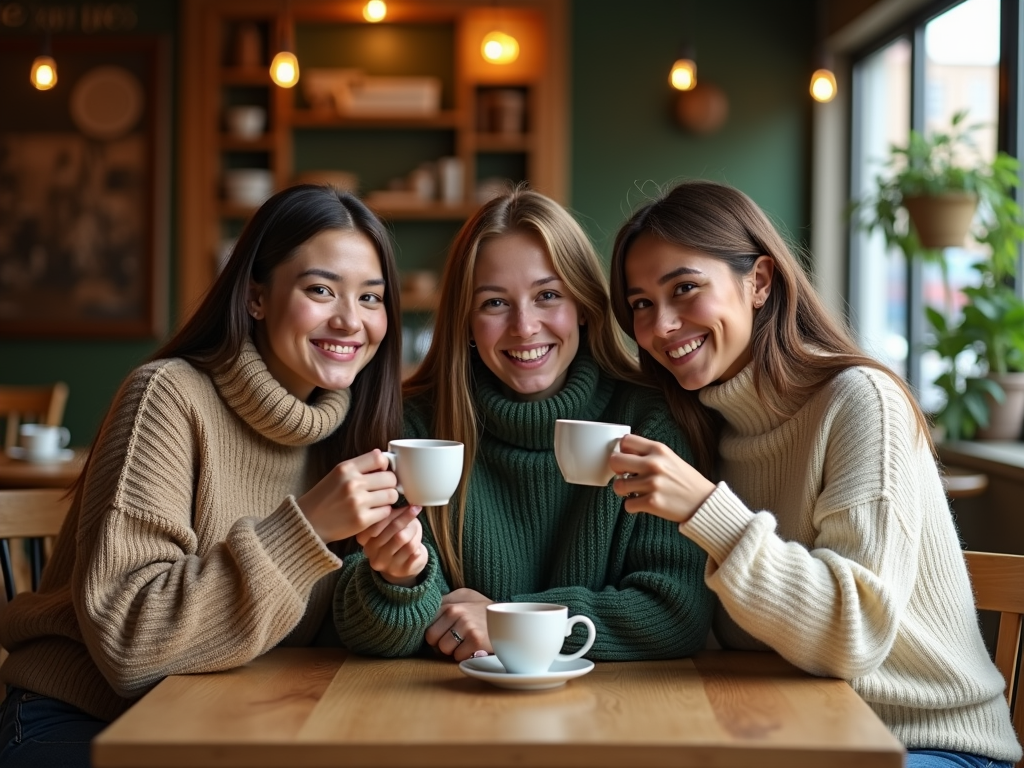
x=337 y=348
x=675 y=354
x=529 y=354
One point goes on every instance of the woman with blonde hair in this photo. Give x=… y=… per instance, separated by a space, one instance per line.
x=828 y=533
x=526 y=337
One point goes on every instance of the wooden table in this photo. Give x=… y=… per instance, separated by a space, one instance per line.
x=16 y=473
x=322 y=707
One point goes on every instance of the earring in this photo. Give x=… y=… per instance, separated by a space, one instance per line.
x=472 y=344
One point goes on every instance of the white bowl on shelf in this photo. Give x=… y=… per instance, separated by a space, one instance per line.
x=246 y=122
x=248 y=186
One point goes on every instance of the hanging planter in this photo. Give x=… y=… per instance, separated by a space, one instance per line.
x=941 y=221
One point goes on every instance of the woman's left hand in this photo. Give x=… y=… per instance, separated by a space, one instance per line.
x=653 y=478
x=460 y=627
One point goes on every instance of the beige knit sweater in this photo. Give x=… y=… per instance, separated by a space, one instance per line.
x=854 y=568
x=186 y=552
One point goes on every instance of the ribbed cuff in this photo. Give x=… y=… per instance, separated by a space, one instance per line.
x=719 y=523
x=399 y=595
x=294 y=547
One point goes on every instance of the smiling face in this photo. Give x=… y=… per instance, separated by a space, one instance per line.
x=524 y=322
x=321 y=315
x=691 y=312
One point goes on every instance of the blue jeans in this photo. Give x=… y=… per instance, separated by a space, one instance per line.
x=39 y=731
x=938 y=758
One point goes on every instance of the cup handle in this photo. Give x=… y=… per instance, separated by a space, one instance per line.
x=393 y=466
x=591 y=635
x=65 y=437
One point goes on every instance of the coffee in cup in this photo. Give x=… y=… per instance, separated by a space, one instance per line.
x=42 y=442
x=527 y=637
x=582 y=449
x=428 y=470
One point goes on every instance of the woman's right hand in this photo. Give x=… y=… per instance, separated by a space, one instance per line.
x=352 y=497
x=394 y=547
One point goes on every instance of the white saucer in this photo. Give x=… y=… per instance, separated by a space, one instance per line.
x=64 y=454
x=489 y=669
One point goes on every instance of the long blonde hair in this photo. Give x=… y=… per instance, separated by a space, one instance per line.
x=445 y=376
x=791 y=330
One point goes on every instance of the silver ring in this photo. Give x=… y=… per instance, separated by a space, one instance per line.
x=633 y=495
x=457 y=636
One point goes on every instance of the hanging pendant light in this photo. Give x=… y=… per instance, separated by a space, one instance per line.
x=683 y=76
x=284 y=69
x=44 y=69
x=823 y=80
x=499 y=47
x=823 y=85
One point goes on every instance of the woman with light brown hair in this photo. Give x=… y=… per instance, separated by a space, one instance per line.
x=828 y=533
x=525 y=337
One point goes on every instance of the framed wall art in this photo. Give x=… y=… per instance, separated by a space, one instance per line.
x=83 y=189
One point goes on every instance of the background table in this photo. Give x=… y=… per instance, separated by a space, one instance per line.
x=16 y=473
x=320 y=707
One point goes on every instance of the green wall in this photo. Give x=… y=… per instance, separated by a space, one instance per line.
x=623 y=140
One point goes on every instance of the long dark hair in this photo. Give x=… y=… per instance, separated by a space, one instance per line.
x=212 y=337
x=791 y=331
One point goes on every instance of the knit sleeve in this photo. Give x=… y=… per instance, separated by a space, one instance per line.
x=654 y=603
x=148 y=602
x=377 y=618
x=832 y=608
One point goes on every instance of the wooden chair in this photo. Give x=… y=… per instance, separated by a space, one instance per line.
x=33 y=515
x=998 y=582
x=45 y=404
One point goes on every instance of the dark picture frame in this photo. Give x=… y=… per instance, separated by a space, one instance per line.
x=84 y=189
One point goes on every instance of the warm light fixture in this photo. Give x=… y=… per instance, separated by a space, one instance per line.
x=44 y=68
x=284 y=69
x=375 y=11
x=683 y=76
x=499 y=48
x=823 y=85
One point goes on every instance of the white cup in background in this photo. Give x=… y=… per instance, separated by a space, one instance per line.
x=527 y=637
x=582 y=449
x=42 y=442
x=246 y=122
x=428 y=470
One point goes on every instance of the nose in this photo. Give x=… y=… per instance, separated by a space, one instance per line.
x=525 y=322
x=666 y=321
x=345 y=317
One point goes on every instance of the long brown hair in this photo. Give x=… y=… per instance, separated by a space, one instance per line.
x=791 y=330
x=445 y=376
x=212 y=338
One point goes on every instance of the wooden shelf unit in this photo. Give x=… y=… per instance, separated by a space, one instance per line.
x=210 y=80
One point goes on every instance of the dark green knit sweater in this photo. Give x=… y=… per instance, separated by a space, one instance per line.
x=530 y=536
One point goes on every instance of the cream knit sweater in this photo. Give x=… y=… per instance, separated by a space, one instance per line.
x=854 y=568
x=186 y=552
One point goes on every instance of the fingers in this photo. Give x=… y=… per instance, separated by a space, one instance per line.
x=461 y=639
x=374 y=461
x=400 y=516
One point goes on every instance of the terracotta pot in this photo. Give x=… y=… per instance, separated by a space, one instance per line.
x=942 y=221
x=1005 y=419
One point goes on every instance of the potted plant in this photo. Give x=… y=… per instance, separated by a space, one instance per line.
x=933 y=170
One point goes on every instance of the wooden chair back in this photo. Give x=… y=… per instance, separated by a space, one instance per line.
x=44 y=404
x=35 y=515
x=998 y=581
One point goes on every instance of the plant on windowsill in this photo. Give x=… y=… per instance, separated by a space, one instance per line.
x=991 y=328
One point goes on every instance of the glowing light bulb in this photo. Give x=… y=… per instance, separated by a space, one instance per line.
x=683 y=76
x=375 y=11
x=284 y=69
x=44 y=73
x=499 y=48
x=823 y=85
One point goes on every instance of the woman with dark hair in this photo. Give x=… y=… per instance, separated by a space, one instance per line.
x=527 y=338
x=828 y=534
x=198 y=535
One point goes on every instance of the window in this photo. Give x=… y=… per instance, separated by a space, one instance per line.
x=918 y=78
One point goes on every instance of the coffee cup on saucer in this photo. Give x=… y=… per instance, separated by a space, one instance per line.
x=527 y=637
x=582 y=449
x=428 y=470
x=42 y=442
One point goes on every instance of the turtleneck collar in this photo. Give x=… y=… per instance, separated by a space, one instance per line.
x=742 y=407
x=531 y=425
x=250 y=390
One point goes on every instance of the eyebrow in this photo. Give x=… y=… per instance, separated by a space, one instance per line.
x=667 y=277
x=328 y=275
x=500 y=289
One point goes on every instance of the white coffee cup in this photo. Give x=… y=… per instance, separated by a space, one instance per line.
x=582 y=449
x=527 y=637
x=42 y=442
x=428 y=470
x=246 y=122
